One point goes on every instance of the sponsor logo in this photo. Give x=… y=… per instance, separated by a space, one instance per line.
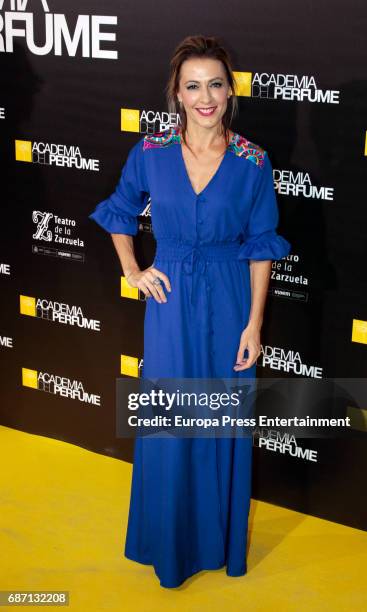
x=57 y=312
x=52 y=154
x=6 y=341
x=5 y=269
x=282 y=443
x=59 y=232
x=289 y=183
x=58 y=385
x=359 y=331
x=84 y=37
x=131 y=366
x=282 y=270
x=146 y=121
x=287 y=360
x=270 y=86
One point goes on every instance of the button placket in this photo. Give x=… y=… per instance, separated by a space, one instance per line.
x=211 y=314
x=200 y=199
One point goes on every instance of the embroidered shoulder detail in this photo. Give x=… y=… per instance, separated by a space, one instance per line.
x=162 y=139
x=249 y=150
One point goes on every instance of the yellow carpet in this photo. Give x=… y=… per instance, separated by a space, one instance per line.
x=63 y=519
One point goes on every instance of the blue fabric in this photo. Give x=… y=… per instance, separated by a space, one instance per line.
x=118 y=213
x=190 y=497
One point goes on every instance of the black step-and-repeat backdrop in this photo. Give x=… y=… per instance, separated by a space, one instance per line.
x=80 y=83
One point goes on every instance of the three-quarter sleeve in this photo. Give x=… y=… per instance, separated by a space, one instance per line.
x=118 y=213
x=261 y=241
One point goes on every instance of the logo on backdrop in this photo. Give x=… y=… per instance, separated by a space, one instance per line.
x=131 y=366
x=287 y=271
x=287 y=182
x=59 y=234
x=5 y=268
x=2 y=112
x=50 y=154
x=145 y=223
x=133 y=293
x=282 y=270
x=6 y=341
x=146 y=121
x=58 y=385
x=45 y=32
x=359 y=331
x=58 y=312
x=61 y=231
x=283 y=443
x=286 y=360
x=291 y=87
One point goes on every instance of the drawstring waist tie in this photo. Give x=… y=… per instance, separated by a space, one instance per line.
x=195 y=257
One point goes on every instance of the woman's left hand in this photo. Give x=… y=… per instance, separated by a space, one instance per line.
x=250 y=340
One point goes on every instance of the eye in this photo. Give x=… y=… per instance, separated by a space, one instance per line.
x=215 y=84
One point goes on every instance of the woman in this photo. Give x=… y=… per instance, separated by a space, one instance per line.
x=214 y=217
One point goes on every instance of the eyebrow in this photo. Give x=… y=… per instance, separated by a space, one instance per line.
x=213 y=79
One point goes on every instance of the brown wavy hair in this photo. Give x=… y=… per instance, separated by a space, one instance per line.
x=207 y=47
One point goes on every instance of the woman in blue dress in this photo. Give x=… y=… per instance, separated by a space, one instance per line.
x=214 y=217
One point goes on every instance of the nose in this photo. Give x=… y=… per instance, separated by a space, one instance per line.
x=206 y=96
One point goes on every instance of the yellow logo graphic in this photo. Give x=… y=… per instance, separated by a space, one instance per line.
x=243 y=81
x=23 y=150
x=127 y=291
x=29 y=378
x=27 y=305
x=358 y=418
x=129 y=365
x=359 y=331
x=130 y=120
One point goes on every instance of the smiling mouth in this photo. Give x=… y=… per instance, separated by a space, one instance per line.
x=206 y=111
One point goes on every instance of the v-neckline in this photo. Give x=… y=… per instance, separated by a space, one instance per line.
x=215 y=173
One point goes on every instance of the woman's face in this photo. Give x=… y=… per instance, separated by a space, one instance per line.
x=204 y=90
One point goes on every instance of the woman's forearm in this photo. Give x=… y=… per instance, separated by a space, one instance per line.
x=260 y=278
x=124 y=246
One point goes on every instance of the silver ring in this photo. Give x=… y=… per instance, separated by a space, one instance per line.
x=157 y=281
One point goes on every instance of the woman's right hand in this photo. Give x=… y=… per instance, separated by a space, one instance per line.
x=143 y=280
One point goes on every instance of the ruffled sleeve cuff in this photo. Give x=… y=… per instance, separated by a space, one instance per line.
x=268 y=245
x=112 y=221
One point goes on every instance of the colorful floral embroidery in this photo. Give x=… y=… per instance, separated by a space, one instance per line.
x=247 y=149
x=162 y=139
x=239 y=145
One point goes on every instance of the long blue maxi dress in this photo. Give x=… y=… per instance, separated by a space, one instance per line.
x=190 y=497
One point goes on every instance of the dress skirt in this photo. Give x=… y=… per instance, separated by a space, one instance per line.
x=190 y=497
